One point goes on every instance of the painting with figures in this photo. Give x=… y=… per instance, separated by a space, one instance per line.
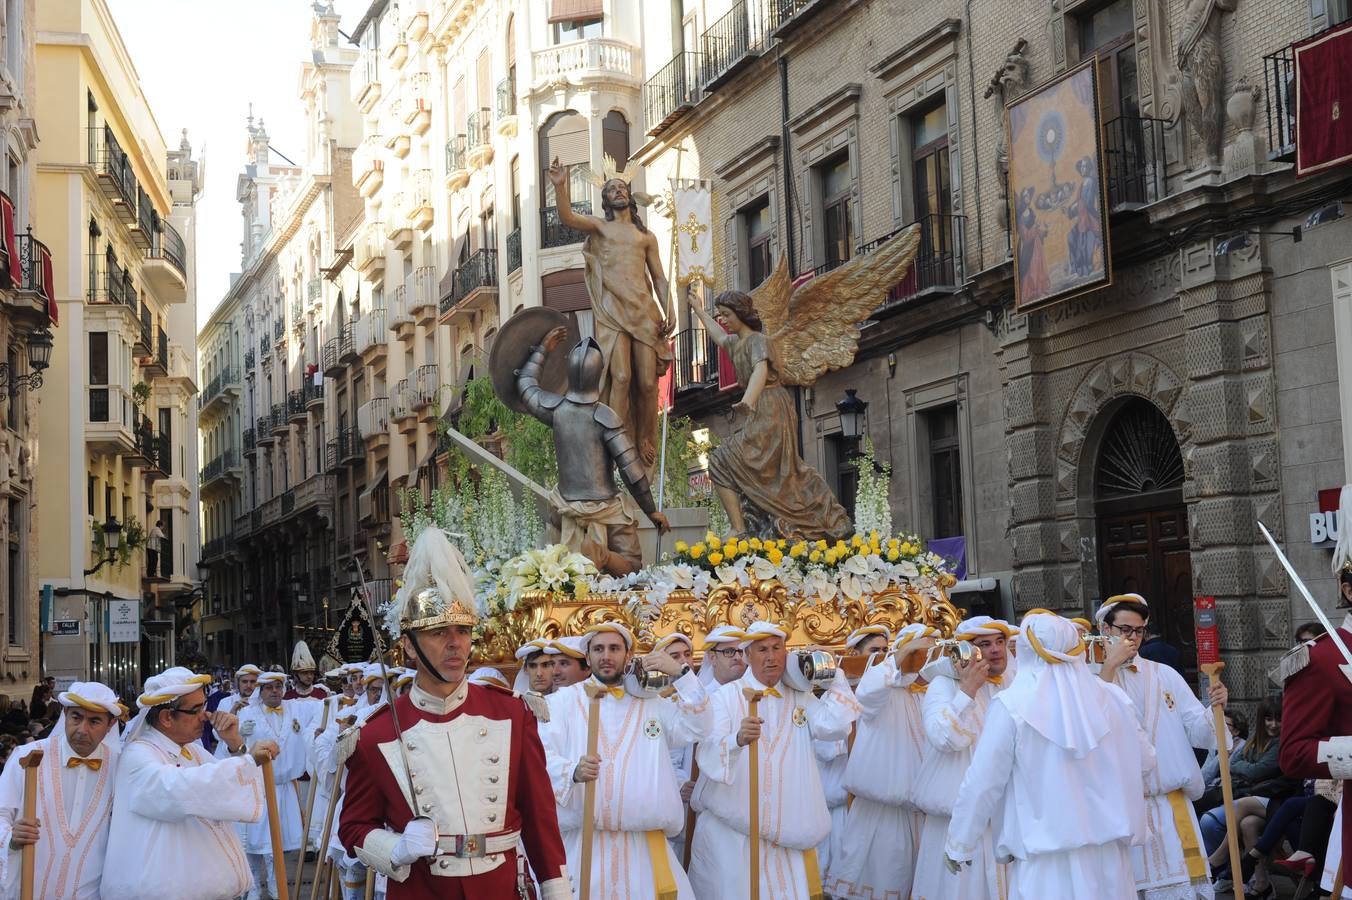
x=1057 y=194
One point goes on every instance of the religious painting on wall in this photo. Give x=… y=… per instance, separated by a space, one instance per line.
x=1057 y=192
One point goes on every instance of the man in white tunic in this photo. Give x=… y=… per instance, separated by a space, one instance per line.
x=792 y=806
x=954 y=710
x=638 y=801
x=246 y=680
x=290 y=725
x=536 y=674
x=1171 y=865
x=173 y=802
x=723 y=662
x=882 y=828
x=1058 y=770
x=570 y=666
x=75 y=798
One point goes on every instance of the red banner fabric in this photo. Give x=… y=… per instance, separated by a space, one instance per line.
x=1208 y=646
x=11 y=243
x=1324 y=101
x=46 y=256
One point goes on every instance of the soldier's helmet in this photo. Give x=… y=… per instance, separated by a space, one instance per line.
x=585 y=367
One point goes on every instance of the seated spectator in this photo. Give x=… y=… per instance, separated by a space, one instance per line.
x=1315 y=827
x=1258 y=784
x=1238 y=727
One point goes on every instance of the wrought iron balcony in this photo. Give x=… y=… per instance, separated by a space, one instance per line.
x=479 y=271
x=425 y=386
x=250 y=360
x=938 y=262
x=249 y=441
x=1279 y=92
x=457 y=164
x=514 y=250
x=114 y=170
x=734 y=40
x=1134 y=161
x=554 y=233
x=295 y=404
x=788 y=15
x=673 y=90
x=167 y=244
x=478 y=129
x=507 y=97
x=696 y=359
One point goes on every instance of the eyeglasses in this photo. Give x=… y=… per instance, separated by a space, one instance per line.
x=728 y=654
x=188 y=710
x=1128 y=631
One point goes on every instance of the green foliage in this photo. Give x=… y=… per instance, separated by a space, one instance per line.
x=140 y=393
x=528 y=444
x=132 y=539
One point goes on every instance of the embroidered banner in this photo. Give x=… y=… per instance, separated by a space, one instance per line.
x=694 y=232
x=1324 y=101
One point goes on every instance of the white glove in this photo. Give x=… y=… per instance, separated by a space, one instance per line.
x=418 y=840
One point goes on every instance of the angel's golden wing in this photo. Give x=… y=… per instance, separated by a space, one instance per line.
x=771 y=298
x=821 y=330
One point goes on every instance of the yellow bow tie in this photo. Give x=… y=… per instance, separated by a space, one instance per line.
x=273 y=709
x=995 y=679
x=346 y=701
x=93 y=764
x=616 y=692
x=917 y=687
x=1131 y=667
x=185 y=752
x=771 y=692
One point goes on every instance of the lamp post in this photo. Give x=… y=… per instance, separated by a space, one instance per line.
x=112 y=539
x=853 y=415
x=39 y=358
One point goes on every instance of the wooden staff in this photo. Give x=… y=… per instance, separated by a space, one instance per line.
x=28 y=867
x=1337 y=882
x=309 y=811
x=753 y=699
x=274 y=825
x=690 y=811
x=594 y=693
x=1212 y=671
x=370 y=883
x=326 y=863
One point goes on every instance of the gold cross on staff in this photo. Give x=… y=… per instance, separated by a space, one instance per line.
x=694 y=228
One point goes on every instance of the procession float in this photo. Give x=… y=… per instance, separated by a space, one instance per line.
x=564 y=464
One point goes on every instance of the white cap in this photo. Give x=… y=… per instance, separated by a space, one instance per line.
x=859 y=635
x=272 y=678
x=1101 y=614
x=248 y=669
x=672 y=638
x=93 y=696
x=724 y=634
x=761 y=630
x=609 y=628
x=980 y=626
x=574 y=646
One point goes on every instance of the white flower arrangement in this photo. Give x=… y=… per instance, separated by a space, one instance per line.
x=555 y=569
x=872 y=506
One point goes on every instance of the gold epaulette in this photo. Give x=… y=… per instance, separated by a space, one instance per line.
x=536 y=703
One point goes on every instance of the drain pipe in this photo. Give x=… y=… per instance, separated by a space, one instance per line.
x=971 y=107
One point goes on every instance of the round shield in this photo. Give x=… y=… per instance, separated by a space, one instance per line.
x=511 y=347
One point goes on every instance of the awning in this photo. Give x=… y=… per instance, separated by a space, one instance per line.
x=575 y=10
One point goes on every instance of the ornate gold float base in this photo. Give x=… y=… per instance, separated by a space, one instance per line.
x=808 y=622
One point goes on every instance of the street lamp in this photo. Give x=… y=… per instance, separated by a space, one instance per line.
x=39 y=358
x=112 y=539
x=852 y=415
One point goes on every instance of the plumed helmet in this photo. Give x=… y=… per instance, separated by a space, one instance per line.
x=437 y=589
x=585 y=367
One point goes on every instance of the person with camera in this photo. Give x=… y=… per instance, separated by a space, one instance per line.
x=638 y=799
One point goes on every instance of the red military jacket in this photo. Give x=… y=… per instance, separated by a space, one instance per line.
x=479 y=769
x=316 y=692
x=1316 y=705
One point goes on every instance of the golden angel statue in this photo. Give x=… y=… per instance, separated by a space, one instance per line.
x=780 y=336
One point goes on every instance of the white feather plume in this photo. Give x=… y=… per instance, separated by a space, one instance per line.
x=433 y=561
x=1342 y=551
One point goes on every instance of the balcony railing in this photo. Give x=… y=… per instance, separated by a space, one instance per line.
x=113 y=166
x=514 y=250
x=507 y=97
x=696 y=359
x=554 y=233
x=311 y=391
x=215 y=386
x=250 y=360
x=373 y=417
x=674 y=89
x=455 y=154
x=1279 y=91
x=791 y=13
x=737 y=36
x=479 y=271
x=424 y=288
x=227 y=460
x=478 y=129
x=588 y=58
x=425 y=386
x=938 y=262
x=295 y=403
x=1134 y=161
x=372 y=331
x=167 y=244
x=249 y=440
x=402 y=311
x=277 y=420
x=401 y=401
x=264 y=347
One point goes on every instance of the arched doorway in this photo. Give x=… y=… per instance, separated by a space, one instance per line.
x=1143 y=522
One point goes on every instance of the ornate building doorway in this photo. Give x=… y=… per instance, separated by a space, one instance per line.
x=1143 y=522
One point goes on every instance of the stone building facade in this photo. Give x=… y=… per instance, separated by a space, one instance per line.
x=1125 y=439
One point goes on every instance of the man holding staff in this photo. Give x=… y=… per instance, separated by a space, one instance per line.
x=75 y=798
x=174 y=806
x=638 y=801
x=1174 y=721
x=445 y=780
x=790 y=803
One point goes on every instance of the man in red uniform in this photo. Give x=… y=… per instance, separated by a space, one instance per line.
x=1317 y=694
x=305 y=676
x=471 y=761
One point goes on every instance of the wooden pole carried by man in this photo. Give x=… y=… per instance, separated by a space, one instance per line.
x=594 y=695
x=1212 y=670
x=753 y=699
x=264 y=761
x=305 y=819
x=28 y=858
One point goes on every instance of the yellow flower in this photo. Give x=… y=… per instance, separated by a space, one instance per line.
x=841 y=547
x=873 y=537
x=775 y=555
x=893 y=544
x=821 y=545
x=697 y=551
x=682 y=546
x=715 y=558
x=831 y=557
x=743 y=548
x=798 y=549
x=815 y=556
x=713 y=541
x=754 y=543
x=893 y=555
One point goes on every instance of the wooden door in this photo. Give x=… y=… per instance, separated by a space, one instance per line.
x=1146 y=552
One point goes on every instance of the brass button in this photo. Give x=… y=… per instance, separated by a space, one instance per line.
x=445 y=863
x=483 y=732
x=427 y=807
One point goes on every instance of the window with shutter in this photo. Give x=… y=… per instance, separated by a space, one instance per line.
x=575 y=10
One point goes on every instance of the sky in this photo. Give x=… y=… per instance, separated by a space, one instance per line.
x=201 y=63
